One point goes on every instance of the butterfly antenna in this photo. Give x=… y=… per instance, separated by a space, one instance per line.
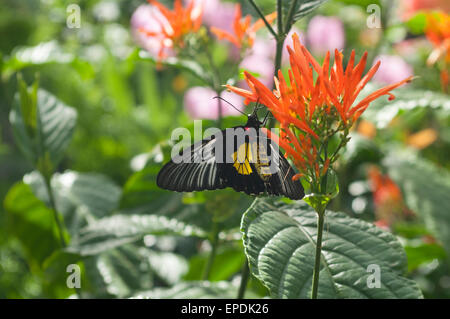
x=234 y=107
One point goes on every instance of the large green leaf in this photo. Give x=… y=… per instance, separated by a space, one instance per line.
x=279 y=240
x=195 y=290
x=119 y=229
x=118 y=272
x=426 y=190
x=80 y=197
x=31 y=222
x=55 y=123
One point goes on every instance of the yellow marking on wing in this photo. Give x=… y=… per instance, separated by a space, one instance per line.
x=242 y=158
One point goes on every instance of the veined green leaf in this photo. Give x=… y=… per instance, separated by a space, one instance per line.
x=55 y=123
x=279 y=240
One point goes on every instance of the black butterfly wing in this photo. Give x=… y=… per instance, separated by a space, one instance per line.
x=194 y=169
x=281 y=183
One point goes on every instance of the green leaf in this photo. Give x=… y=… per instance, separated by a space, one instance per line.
x=55 y=125
x=228 y=261
x=424 y=253
x=184 y=64
x=118 y=272
x=279 y=241
x=426 y=190
x=117 y=230
x=302 y=8
x=195 y=290
x=167 y=266
x=32 y=223
x=80 y=197
x=381 y=112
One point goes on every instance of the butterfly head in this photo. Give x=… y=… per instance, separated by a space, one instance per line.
x=253 y=121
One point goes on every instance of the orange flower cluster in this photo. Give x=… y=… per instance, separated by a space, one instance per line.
x=309 y=104
x=244 y=31
x=437 y=31
x=178 y=23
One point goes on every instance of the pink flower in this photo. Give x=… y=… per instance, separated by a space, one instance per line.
x=392 y=69
x=199 y=103
x=325 y=34
x=267 y=46
x=260 y=64
x=218 y=14
x=149 y=18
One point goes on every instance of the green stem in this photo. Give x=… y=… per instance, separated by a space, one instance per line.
x=261 y=14
x=290 y=16
x=244 y=280
x=315 y=283
x=279 y=19
x=212 y=255
x=55 y=212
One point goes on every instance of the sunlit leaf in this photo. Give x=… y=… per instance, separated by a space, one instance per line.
x=55 y=125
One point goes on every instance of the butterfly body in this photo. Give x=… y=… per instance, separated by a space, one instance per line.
x=241 y=157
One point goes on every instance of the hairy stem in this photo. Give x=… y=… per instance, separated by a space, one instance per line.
x=315 y=283
x=244 y=280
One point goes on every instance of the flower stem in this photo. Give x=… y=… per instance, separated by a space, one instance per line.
x=244 y=280
x=55 y=212
x=261 y=14
x=315 y=283
x=212 y=255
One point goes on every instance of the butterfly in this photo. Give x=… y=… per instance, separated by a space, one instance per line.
x=241 y=157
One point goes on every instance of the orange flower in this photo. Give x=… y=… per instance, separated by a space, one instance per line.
x=437 y=31
x=308 y=104
x=174 y=24
x=387 y=196
x=244 y=32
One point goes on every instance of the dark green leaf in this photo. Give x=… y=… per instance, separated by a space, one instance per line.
x=280 y=244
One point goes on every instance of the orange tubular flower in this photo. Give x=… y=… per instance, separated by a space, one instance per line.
x=177 y=24
x=244 y=32
x=311 y=110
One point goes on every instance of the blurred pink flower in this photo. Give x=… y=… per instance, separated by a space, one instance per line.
x=267 y=46
x=325 y=34
x=409 y=7
x=392 y=69
x=199 y=103
x=218 y=14
x=150 y=18
x=260 y=64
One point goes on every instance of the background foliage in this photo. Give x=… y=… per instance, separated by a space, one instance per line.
x=105 y=116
